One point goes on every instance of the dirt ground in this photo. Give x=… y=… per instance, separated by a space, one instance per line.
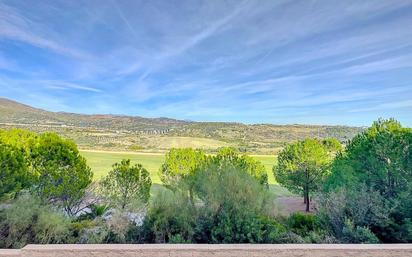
x=291 y=204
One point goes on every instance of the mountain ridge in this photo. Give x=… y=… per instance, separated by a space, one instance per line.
x=122 y=132
x=5 y=101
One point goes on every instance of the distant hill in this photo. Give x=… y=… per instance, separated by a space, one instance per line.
x=117 y=132
x=14 y=112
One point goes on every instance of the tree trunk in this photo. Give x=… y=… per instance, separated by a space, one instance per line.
x=307 y=199
x=192 y=201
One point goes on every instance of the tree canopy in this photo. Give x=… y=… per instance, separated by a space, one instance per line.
x=302 y=166
x=14 y=174
x=242 y=162
x=125 y=183
x=62 y=173
x=180 y=163
x=380 y=157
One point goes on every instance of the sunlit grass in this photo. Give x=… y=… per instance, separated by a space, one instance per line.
x=101 y=163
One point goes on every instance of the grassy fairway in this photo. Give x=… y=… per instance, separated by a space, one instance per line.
x=101 y=162
x=268 y=161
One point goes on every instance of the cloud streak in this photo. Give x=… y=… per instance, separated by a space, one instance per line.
x=250 y=61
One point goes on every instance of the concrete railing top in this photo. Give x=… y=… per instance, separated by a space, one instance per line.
x=206 y=250
x=220 y=246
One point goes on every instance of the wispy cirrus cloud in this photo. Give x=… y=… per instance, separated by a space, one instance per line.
x=67 y=85
x=16 y=27
x=251 y=61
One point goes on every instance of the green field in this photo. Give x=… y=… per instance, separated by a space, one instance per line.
x=101 y=162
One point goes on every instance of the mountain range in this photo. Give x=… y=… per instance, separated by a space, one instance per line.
x=118 y=132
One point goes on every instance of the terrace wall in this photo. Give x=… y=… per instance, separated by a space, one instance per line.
x=281 y=250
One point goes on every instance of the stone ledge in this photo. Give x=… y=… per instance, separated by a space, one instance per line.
x=206 y=250
x=9 y=253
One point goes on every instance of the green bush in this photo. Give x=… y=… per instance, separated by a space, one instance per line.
x=28 y=221
x=170 y=218
x=233 y=203
x=235 y=227
x=126 y=183
x=14 y=172
x=223 y=185
x=231 y=206
x=357 y=234
x=242 y=163
x=308 y=227
x=380 y=158
x=364 y=207
x=90 y=232
x=63 y=174
x=301 y=223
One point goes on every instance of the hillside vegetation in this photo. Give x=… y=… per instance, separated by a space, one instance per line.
x=360 y=193
x=133 y=133
x=101 y=162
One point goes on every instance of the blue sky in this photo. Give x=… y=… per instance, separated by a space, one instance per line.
x=262 y=61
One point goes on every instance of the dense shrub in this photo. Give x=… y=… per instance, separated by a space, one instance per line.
x=21 y=139
x=301 y=224
x=231 y=207
x=126 y=183
x=364 y=208
x=242 y=163
x=245 y=227
x=180 y=163
x=307 y=228
x=28 y=221
x=222 y=184
x=381 y=159
x=63 y=174
x=357 y=234
x=47 y=164
x=14 y=171
x=170 y=218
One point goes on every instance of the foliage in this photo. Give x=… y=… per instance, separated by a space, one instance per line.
x=233 y=207
x=367 y=198
x=19 y=138
x=363 y=207
x=357 y=235
x=301 y=224
x=246 y=227
x=113 y=228
x=96 y=211
x=28 y=221
x=63 y=175
x=302 y=166
x=332 y=145
x=14 y=173
x=50 y=165
x=125 y=183
x=236 y=208
x=117 y=226
x=179 y=166
x=170 y=218
x=223 y=185
x=307 y=228
x=243 y=163
x=380 y=158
